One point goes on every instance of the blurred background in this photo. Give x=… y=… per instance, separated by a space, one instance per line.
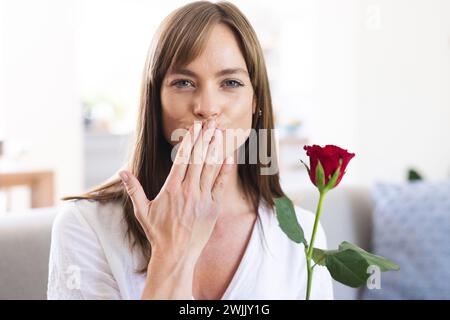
x=372 y=76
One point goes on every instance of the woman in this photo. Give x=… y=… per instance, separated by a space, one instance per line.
x=201 y=226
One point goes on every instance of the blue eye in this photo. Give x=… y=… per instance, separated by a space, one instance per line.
x=187 y=83
x=181 y=83
x=234 y=83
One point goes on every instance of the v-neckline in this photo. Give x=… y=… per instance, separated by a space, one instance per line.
x=243 y=262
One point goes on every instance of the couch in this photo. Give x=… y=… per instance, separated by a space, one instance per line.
x=25 y=239
x=24 y=250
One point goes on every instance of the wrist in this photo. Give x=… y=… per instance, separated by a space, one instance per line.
x=169 y=278
x=170 y=266
x=172 y=259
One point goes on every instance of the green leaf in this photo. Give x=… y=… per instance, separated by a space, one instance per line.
x=348 y=267
x=306 y=166
x=414 y=175
x=320 y=176
x=383 y=263
x=287 y=220
x=349 y=264
x=319 y=256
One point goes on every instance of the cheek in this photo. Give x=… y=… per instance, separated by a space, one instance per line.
x=240 y=110
x=173 y=113
x=240 y=121
x=172 y=106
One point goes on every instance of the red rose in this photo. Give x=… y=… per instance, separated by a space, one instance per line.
x=329 y=157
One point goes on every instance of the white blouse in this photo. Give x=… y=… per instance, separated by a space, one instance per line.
x=90 y=258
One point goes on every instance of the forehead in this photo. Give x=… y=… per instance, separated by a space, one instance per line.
x=220 y=51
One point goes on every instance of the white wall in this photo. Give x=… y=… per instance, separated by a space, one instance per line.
x=404 y=90
x=334 y=108
x=2 y=74
x=382 y=86
x=40 y=100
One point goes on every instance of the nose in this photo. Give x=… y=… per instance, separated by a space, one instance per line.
x=207 y=105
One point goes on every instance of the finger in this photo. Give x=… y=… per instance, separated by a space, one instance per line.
x=134 y=190
x=222 y=179
x=213 y=161
x=183 y=156
x=199 y=154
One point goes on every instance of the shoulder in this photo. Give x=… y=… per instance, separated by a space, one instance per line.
x=88 y=211
x=70 y=213
x=83 y=218
x=83 y=247
x=68 y=220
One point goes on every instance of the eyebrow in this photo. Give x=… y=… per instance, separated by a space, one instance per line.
x=220 y=73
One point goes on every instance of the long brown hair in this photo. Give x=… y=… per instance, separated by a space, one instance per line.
x=178 y=41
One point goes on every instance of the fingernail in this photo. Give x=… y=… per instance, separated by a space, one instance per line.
x=198 y=124
x=211 y=124
x=123 y=176
x=229 y=160
x=197 y=128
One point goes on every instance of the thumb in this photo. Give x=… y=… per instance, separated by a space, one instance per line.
x=134 y=190
x=222 y=178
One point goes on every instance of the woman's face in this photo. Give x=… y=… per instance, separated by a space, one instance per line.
x=216 y=85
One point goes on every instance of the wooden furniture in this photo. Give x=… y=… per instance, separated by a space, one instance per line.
x=40 y=183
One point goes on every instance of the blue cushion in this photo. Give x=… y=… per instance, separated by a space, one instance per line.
x=411 y=226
